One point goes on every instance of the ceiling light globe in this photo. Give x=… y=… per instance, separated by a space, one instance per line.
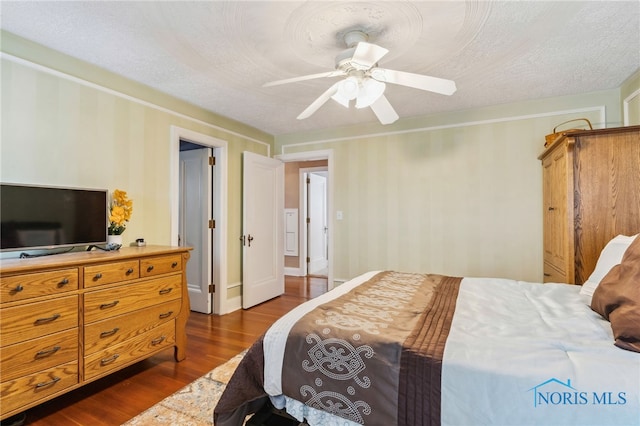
x=370 y=92
x=348 y=89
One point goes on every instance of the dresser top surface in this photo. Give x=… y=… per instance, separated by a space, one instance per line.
x=74 y=259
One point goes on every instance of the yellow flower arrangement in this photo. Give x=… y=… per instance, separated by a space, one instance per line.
x=119 y=212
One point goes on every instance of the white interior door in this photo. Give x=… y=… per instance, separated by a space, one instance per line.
x=195 y=212
x=317 y=223
x=262 y=228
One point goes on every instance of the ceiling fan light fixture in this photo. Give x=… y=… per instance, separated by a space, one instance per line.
x=370 y=91
x=349 y=88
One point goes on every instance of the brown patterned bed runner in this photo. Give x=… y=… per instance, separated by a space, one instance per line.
x=360 y=355
x=421 y=364
x=373 y=355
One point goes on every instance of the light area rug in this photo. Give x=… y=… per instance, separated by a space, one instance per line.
x=193 y=404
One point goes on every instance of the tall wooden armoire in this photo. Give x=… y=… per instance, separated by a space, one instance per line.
x=591 y=193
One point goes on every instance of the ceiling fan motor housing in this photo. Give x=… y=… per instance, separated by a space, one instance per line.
x=344 y=59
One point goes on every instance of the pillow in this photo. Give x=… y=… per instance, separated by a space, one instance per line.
x=610 y=256
x=617 y=299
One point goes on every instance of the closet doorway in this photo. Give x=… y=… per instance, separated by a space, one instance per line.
x=199 y=195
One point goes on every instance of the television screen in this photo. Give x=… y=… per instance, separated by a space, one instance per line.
x=36 y=217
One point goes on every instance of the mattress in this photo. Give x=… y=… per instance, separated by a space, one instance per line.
x=503 y=352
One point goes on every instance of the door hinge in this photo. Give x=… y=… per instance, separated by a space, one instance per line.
x=212 y=161
x=212 y=288
x=308 y=220
x=308 y=260
x=212 y=224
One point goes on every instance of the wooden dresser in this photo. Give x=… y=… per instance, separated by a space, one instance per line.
x=591 y=193
x=69 y=319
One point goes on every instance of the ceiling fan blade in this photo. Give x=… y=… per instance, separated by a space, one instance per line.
x=367 y=54
x=417 y=81
x=319 y=102
x=334 y=73
x=384 y=111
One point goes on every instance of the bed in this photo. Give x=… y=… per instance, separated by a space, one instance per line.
x=403 y=348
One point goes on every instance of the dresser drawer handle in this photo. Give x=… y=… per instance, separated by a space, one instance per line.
x=47 y=320
x=49 y=383
x=546 y=274
x=129 y=271
x=109 y=333
x=157 y=341
x=18 y=289
x=149 y=268
x=64 y=282
x=109 y=305
x=165 y=290
x=174 y=264
x=165 y=315
x=47 y=352
x=109 y=360
x=97 y=276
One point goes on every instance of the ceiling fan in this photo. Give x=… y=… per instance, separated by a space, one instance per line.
x=364 y=81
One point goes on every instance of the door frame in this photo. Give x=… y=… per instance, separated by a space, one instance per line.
x=219 y=211
x=320 y=155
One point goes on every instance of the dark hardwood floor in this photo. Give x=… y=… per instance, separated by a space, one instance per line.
x=212 y=340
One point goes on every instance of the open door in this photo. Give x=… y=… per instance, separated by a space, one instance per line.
x=195 y=232
x=262 y=228
x=317 y=224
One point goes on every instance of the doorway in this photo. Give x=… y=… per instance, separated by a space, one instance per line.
x=195 y=230
x=324 y=161
x=208 y=296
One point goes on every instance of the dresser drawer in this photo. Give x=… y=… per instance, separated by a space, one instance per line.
x=113 y=272
x=26 y=286
x=32 y=320
x=38 y=354
x=24 y=390
x=117 y=356
x=102 y=304
x=100 y=335
x=160 y=265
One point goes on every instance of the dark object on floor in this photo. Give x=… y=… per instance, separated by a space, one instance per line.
x=271 y=416
x=17 y=420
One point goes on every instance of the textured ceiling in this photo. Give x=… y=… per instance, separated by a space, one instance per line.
x=218 y=54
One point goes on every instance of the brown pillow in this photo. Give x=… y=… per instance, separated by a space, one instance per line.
x=617 y=298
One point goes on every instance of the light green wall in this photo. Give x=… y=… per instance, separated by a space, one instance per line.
x=457 y=194
x=630 y=95
x=67 y=123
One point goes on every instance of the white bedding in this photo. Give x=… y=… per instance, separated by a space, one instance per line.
x=517 y=354
x=531 y=354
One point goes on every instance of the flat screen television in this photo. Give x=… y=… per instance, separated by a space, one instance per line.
x=47 y=217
